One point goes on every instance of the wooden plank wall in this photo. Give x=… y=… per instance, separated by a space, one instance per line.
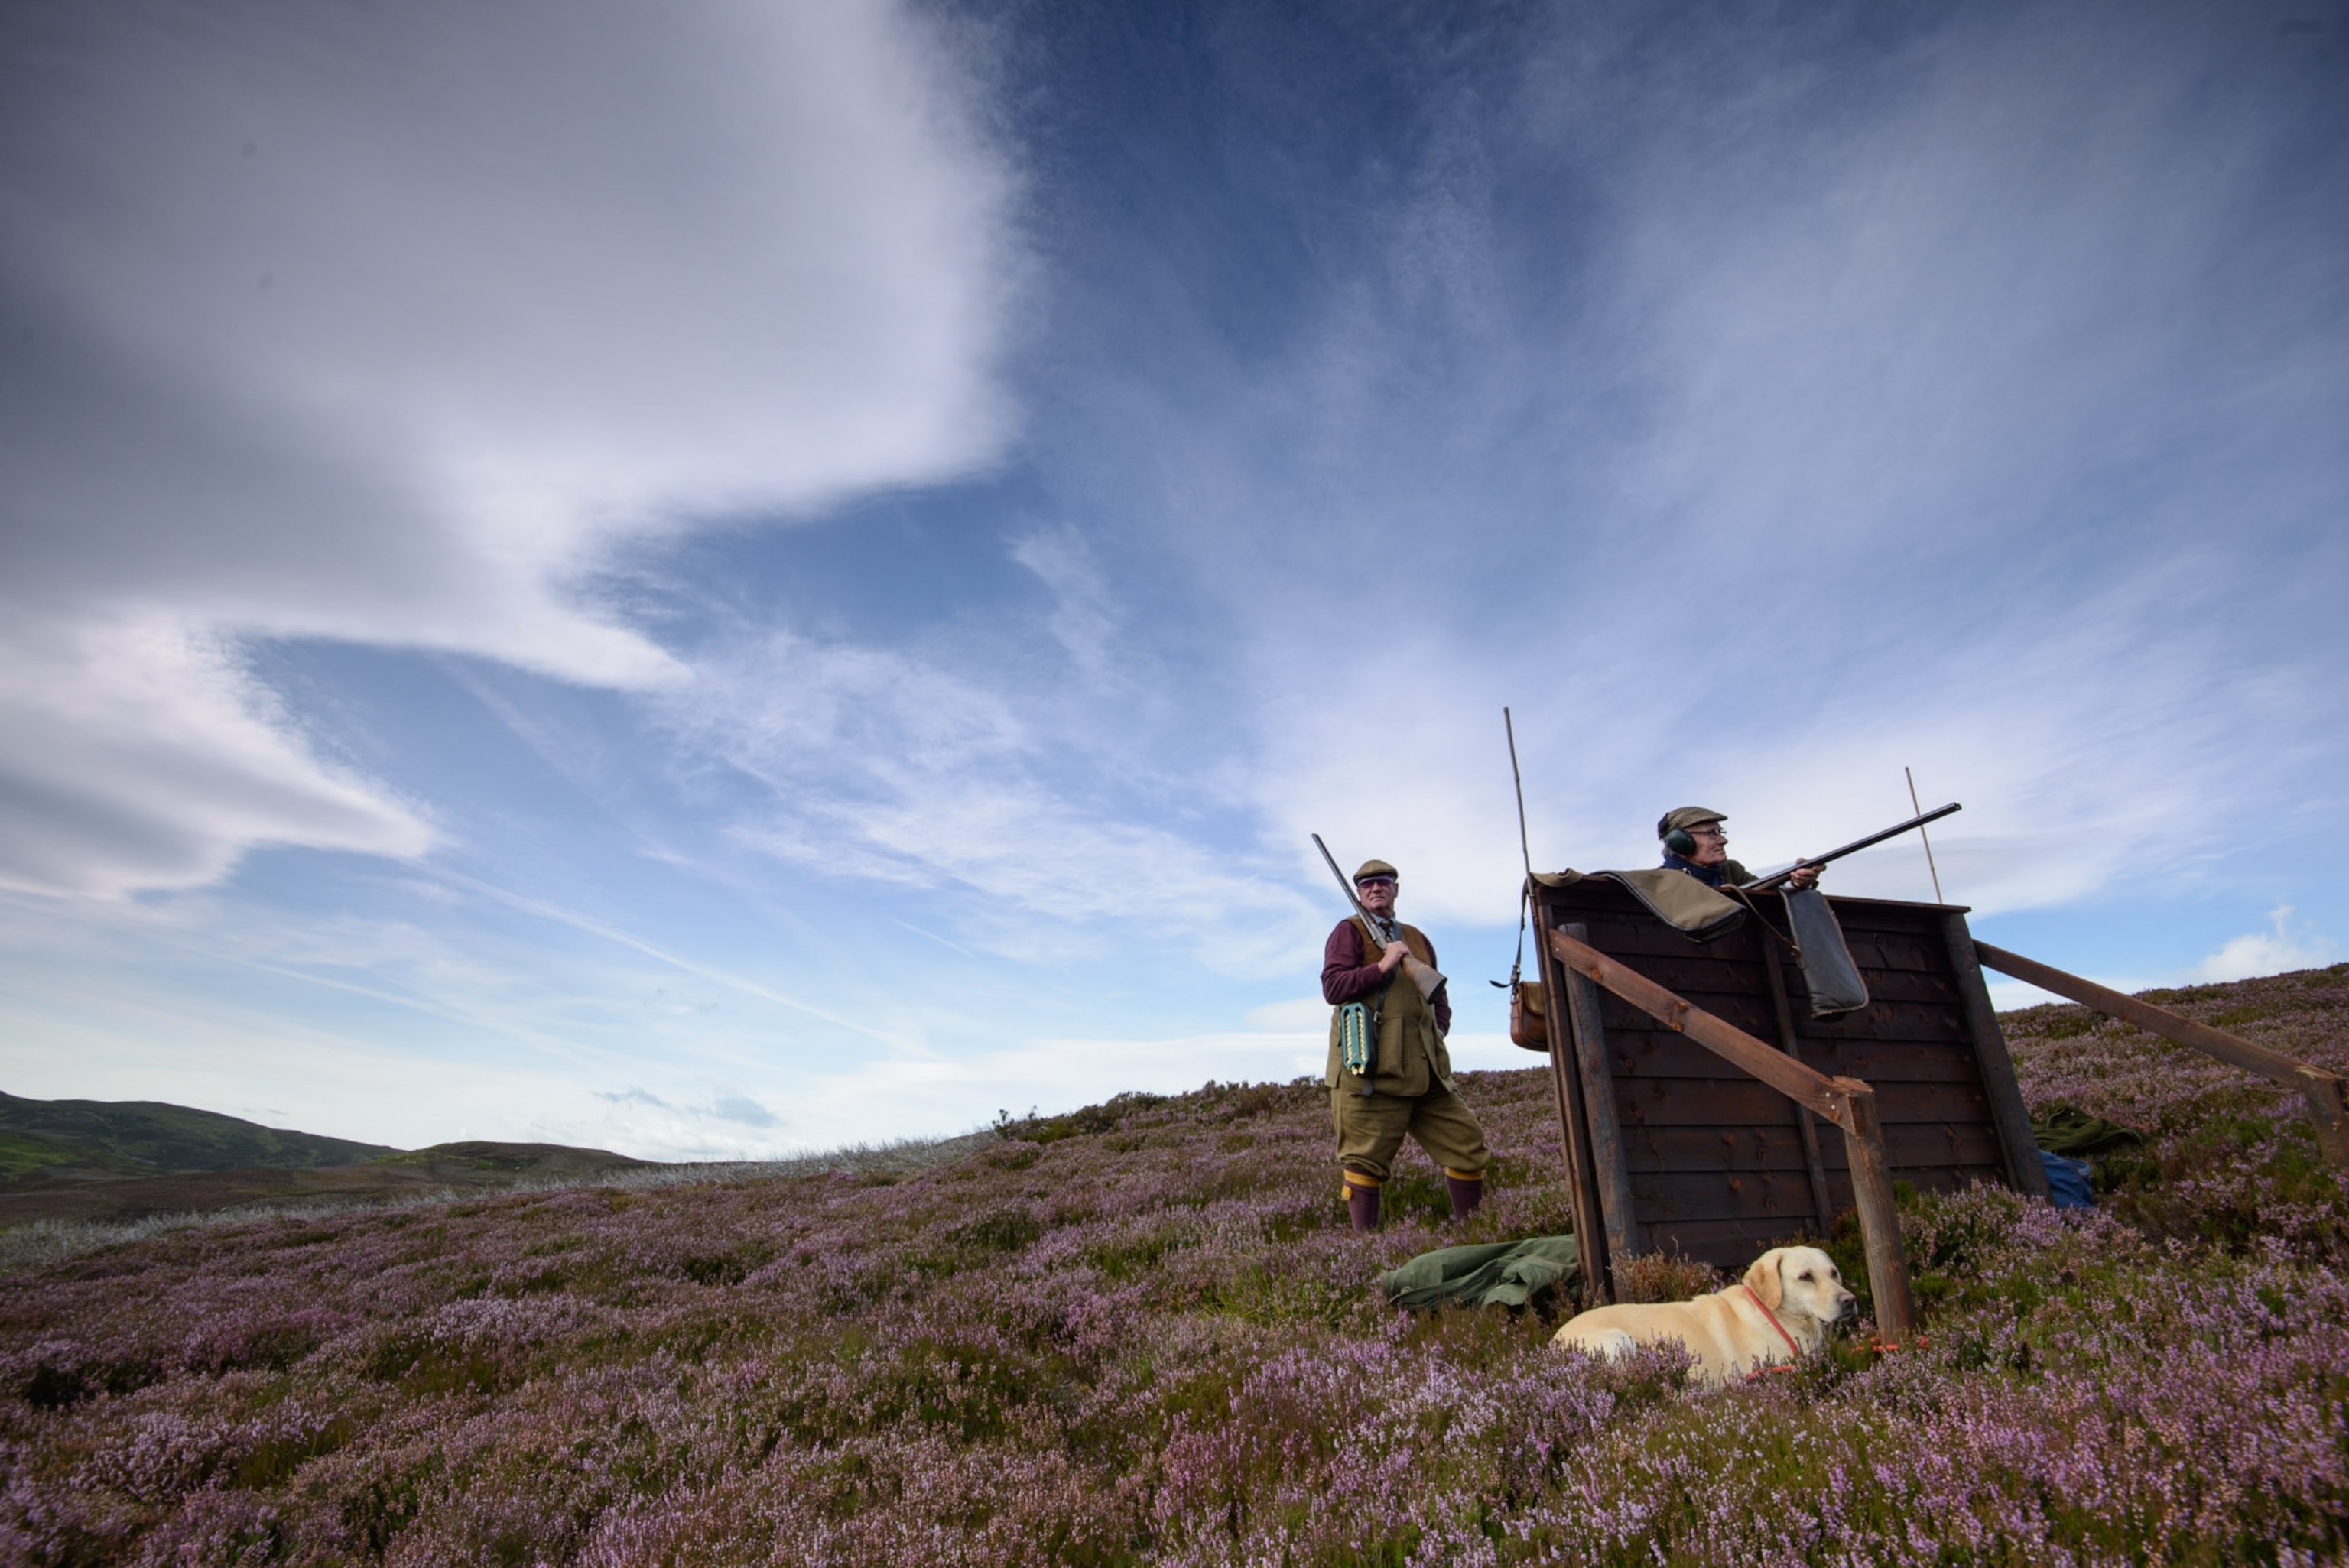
x=1716 y=1158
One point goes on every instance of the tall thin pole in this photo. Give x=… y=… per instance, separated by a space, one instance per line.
x=1518 y=780
x=1921 y=834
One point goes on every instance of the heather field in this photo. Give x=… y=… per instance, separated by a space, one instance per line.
x=1141 y=1333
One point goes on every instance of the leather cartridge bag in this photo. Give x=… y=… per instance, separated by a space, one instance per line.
x=1528 y=1017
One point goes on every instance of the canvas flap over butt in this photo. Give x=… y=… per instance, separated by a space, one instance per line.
x=1680 y=900
x=1828 y=973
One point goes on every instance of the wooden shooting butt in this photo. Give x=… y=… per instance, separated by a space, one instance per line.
x=1706 y=1159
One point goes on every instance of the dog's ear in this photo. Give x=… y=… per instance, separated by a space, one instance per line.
x=1766 y=1278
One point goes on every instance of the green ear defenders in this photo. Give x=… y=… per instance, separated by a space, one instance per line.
x=1680 y=843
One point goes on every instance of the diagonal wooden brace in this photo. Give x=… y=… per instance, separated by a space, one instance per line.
x=2322 y=1089
x=1774 y=1067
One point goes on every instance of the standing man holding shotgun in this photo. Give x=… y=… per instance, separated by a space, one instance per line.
x=1389 y=1072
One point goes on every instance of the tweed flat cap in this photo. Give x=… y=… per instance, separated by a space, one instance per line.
x=1687 y=816
x=1376 y=868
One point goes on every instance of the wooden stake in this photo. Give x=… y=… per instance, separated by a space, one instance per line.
x=1573 y=1121
x=1794 y=1048
x=1921 y=834
x=1879 y=1220
x=1609 y=1166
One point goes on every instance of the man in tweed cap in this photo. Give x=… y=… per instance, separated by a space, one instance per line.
x=1696 y=843
x=1406 y=1087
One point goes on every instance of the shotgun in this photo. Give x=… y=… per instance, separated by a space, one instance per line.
x=1422 y=976
x=1764 y=885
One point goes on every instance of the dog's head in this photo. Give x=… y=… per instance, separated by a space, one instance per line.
x=1801 y=1282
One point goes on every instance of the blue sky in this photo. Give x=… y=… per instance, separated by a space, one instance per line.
x=716 y=579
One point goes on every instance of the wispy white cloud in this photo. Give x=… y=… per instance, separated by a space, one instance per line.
x=415 y=1034
x=1055 y=1074
x=385 y=323
x=2006 y=995
x=2289 y=942
x=1950 y=405
x=137 y=753
x=1298 y=1014
x=1086 y=612
x=739 y=1108
x=1778 y=489
x=2286 y=944
x=605 y=931
x=2083 y=753
x=915 y=767
x=1940 y=310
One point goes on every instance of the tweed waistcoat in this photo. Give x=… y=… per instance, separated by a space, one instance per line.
x=1409 y=1048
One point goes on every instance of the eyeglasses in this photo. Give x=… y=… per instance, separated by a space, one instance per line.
x=1709 y=832
x=1369 y=883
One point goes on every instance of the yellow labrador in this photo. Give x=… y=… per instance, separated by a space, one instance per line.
x=1779 y=1312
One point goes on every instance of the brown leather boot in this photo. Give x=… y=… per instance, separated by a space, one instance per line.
x=1466 y=1192
x=1362 y=1200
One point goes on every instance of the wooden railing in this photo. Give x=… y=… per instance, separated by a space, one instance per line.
x=2322 y=1089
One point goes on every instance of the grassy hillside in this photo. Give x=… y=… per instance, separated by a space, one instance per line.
x=87 y=1160
x=1141 y=1333
x=92 y=1139
x=394 y=1178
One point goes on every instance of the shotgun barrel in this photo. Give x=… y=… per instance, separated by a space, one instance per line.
x=1764 y=885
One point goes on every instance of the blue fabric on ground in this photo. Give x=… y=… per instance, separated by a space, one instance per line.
x=2067 y=1182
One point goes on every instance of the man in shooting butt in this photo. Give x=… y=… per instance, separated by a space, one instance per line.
x=1696 y=843
x=1405 y=1083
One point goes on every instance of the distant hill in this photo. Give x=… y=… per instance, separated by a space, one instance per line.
x=475 y=1161
x=114 y=1160
x=44 y=1141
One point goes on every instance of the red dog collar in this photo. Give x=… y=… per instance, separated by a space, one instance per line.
x=1792 y=1348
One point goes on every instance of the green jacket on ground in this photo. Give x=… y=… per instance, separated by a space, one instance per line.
x=1497 y=1273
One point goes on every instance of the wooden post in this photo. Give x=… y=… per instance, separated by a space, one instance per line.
x=2319 y=1088
x=1611 y=1169
x=1879 y=1220
x=2328 y=1108
x=2023 y=1166
x=1793 y=1047
x=1581 y=1177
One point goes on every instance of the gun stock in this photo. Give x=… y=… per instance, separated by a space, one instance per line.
x=1422 y=976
